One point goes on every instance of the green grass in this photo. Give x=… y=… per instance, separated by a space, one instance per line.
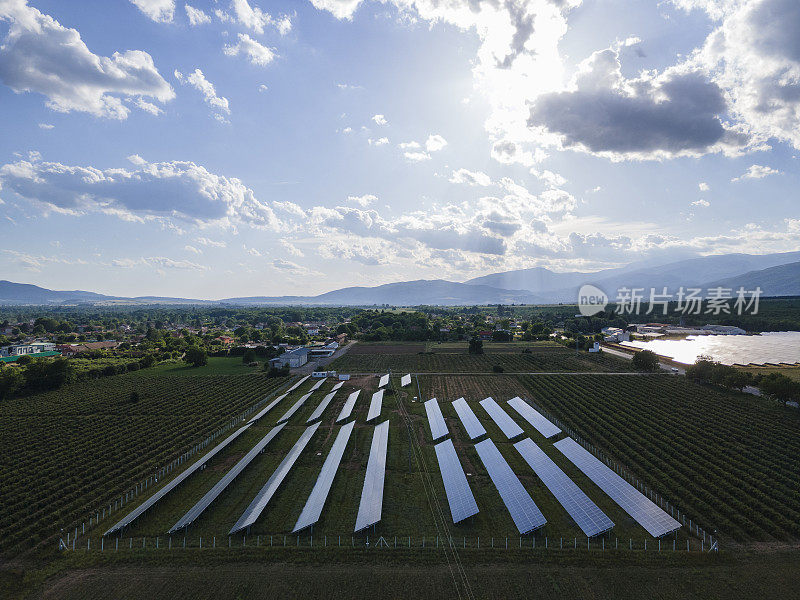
x=217 y=365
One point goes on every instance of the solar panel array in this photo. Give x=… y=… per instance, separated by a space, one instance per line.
x=405 y=380
x=459 y=496
x=218 y=488
x=506 y=424
x=384 y=381
x=337 y=386
x=468 y=419
x=316 y=500
x=259 y=503
x=371 y=505
x=534 y=417
x=294 y=408
x=321 y=408
x=297 y=384
x=583 y=511
x=631 y=500
x=139 y=510
x=524 y=512
x=267 y=408
x=349 y=404
x=435 y=419
x=317 y=385
x=375 y=405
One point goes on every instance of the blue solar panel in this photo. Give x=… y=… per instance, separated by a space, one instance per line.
x=263 y=497
x=375 y=405
x=321 y=408
x=405 y=380
x=297 y=384
x=459 y=496
x=468 y=419
x=384 y=381
x=583 y=511
x=371 y=505
x=220 y=486
x=506 y=424
x=534 y=417
x=316 y=501
x=317 y=385
x=435 y=419
x=337 y=386
x=631 y=500
x=139 y=510
x=524 y=512
x=347 y=409
x=294 y=408
x=268 y=408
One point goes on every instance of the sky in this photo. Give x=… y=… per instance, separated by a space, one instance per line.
x=223 y=148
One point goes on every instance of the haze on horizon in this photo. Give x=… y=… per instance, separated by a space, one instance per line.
x=223 y=148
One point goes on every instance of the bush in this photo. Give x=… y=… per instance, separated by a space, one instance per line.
x=196 y=356
x=476 y=346
x=282 y=372
x=645 y=360
x=497 y=369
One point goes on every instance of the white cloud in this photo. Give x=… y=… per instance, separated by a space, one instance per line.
x=158 y=262
x=148 y=107
x=435 y=142
x=256 y=53
x=366 y=252
x=218 y=104
x=204 y=241
x=549 y=177
x=380 y=119
x=40 y=55
x=291 y=248
x=160 y=11
x=341 y=9
x=379 y=142
x=703 y=186
x=252 y=251
x=364 y=201
x=46 y=126
x=192 y=249
x=756 y=172
x=196 y=16
x=255 y=19
x=471 y=177
x=417 y=156
x=262 y=88
x=168 y=191
x=291 y=267
x=409 y=145
x=701 y=202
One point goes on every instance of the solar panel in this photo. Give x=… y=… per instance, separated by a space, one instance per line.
x=405 y=380
x=317 y=385
x=468 y=419
x=321 y=407
x=298 y=384
x=435 y=419
x=139 y=510
x=518 y=501
x=583 y=511
x=506 y=424
x=459 y=496
x=337 y=386
x=384 y=381
x=267 y=408
x=218 y=488
x=375 y=405
x=316 y=500
x=631 y=500
x=347 y=409
x=259 y=503
x=534 y=417
x=294 y=408
x=371 y=505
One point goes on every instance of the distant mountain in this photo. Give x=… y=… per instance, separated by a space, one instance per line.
x=777 y=274
x=783 y=280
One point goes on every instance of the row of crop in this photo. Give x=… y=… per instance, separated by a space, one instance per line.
x=643 y=427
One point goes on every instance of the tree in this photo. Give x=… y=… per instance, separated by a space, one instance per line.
x=11 y=379
x=44 y=374
x=476 y=346
x=645 y=360
x=249 y=356
x=780 y=387
x=196 y=356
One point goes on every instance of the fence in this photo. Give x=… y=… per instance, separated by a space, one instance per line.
x=542 y=543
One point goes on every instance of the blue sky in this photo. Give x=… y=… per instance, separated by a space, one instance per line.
x=226 y=148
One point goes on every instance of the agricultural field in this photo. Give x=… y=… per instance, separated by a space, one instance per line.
x=453 y=358
x=69 y=452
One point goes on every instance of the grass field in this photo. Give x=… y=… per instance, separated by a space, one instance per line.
x=793 y=372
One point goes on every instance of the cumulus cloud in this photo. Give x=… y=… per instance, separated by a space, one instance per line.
x=158 y=262
x=255 y=52
x=701 y=202
x=756 y=172
x=379 y=142
x=470 y=177
x=255 y=19
x=40 y=55
x=380 y=120
x=435 y=142
x=46 y=126
x=366 y=252
x=364 y=201
x=196 y=16
x=204 y=241
x=677 y=113
x=176 y=190
x=160 y=11
x=218 y=104
x=417 y=156
x=549 y=177
x=192 y=249
x=703 y=186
